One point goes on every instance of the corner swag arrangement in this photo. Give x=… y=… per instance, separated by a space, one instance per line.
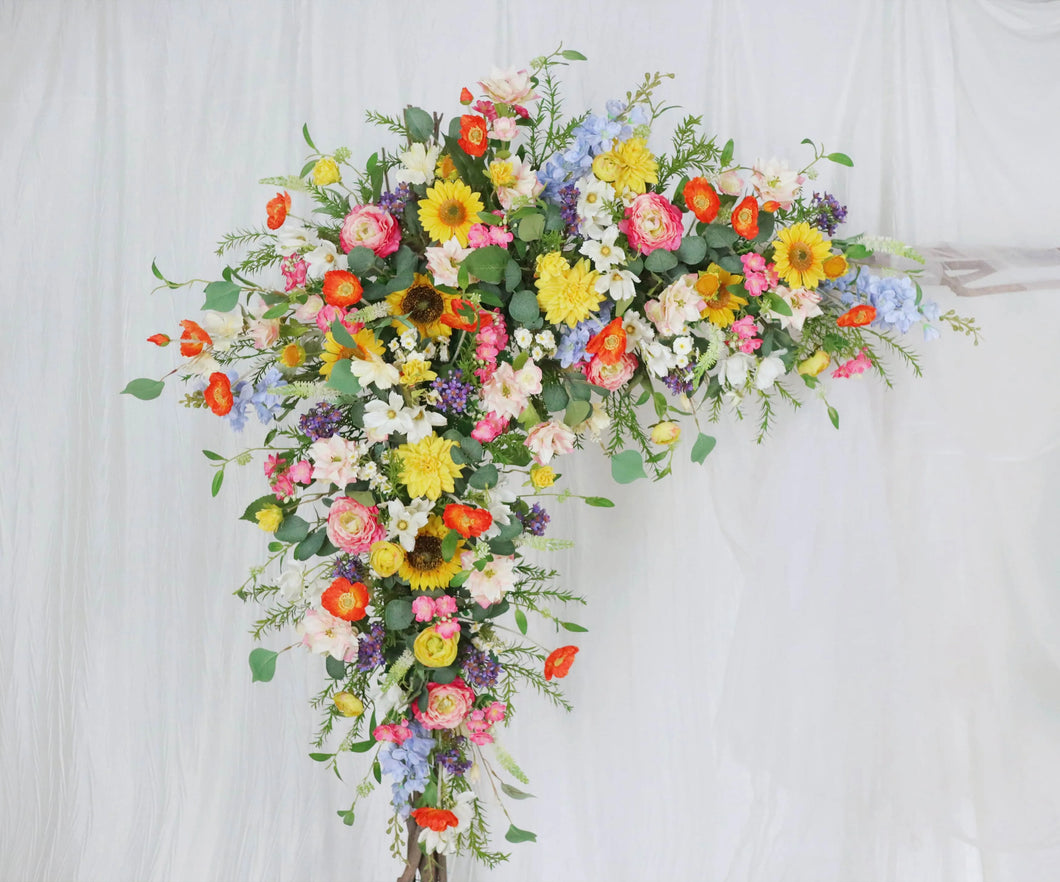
x=431 y=332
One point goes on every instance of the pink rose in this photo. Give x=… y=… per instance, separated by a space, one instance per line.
x=446 y=705
x=354 y=527
x=371 y=227
x=652 y=221
x=488 y=429
x=610 y=376
x=546 y=440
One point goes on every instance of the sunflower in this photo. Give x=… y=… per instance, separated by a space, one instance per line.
x=427 y=467
x=721 y=303
x=424 y=568
x=800 y=252
x=424 y=305
x=569 y=296
x=450 y=210
x=335 y=351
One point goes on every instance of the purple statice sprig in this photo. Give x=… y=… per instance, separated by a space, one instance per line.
x=568 y=208
x=320 y=422
x=481 y=668
x=826 y=213
x=349 y=566
x=395 y=201
x=535 y=521
x=679 y=381
x=453 y=392
x=452 y=759
x=370 y=648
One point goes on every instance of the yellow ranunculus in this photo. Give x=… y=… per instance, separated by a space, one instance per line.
x=325 y=172
x=605 y=166
x=551 y=265
x=385 y=558
x=666 y=432
x=434 y=651
x=349 y=705
x=816 y=363
x=542 y=477
x=269 y=518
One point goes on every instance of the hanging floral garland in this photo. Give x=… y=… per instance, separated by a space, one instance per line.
x=436 y=331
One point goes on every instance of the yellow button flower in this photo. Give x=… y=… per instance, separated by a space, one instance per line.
x=326 y=171
x=385 y=558
x=432 y=650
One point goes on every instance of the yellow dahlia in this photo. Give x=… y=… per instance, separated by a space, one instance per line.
x=416 y=369
x=423 y=305
x=799 y=252
x=571 y=296
x=424 y=568
x=630 y=166
x=449 y=211
x=427 y=467
x=335 y=351
x=721 y=303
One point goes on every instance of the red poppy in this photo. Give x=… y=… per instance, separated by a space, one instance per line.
x=277 y=209
x=745 y=218
x=193 y=339
x=218 y=393
x=346 y=600
x=609 y=344
x=435 y=819
x=702 y=199
x=463 y=315
x=473 y=137
x=466 y=520
x=159 y=339
x=559 y=661
x=857 y=316
x=342 y=288
x=465 y=96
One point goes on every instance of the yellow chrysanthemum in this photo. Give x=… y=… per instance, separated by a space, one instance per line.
x=449 y=211
x=500 y=173
x=551 y=265
x=326 y=171
x=423 y=305
x=427 y=467
x=416 y=369
x=799 y=252
x=721 y=303
x=630 y=166
x=424 y=568
x=335 y=351
x=569 y=297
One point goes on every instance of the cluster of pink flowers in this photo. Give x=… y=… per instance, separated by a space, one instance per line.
x=481 y=720
x=481 y=235
x=747 y=332
x=857 y=365
x=443 y=608
x=490 y=340
x=282 y=477
x=294 y=271
x=398 y=733
x=759 y=276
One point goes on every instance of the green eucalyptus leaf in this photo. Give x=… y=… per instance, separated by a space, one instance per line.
x=523 y=307
x=660 y=260
x=360 y=259
x=221 y=296
x=487 y=263
x=555 y=397
x=398 y=613
x=342 y=378
x=419 y=123
x=577 y=412
x=262 y=665
x=293 y=529
x=693 y=249
x=701 y=449
x=514 y=834
x=310 y=545
x=627 y=467
x=144 y=389
x=485 y=478
x=531 y=228
x=449 y=544
x=335 y=667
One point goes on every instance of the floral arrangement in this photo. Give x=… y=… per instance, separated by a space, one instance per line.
x=425 y=338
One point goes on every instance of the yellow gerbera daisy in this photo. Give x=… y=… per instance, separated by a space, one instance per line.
x=799 y=252
x=427 y=467
x=424 y=568
x=721 y=303
x=423 y=305
x=449 y=210
x=335 y=351
x=569 y=297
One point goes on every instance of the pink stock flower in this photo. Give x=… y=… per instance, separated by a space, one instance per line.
x=500 y=236
x=423 y=608
x=445 y=605
x=274 y=463
x=546 y=440
x=447 y=705
x=283 y=486
x=398 y=733
x=447 y=629
x=492 y=336
x=488 y=428
x=371 y=227
x=302 y=472
x=857 y=365
x=652 y=222
x=758 y=275
x=354 y=527
x=294 y=271
x=327 y=315
x=747 y=331
x=496 y=712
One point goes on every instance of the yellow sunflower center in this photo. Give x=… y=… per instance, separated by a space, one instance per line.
x=800 y=256
x=423 y=304
x=452 y=213
x=426 y=554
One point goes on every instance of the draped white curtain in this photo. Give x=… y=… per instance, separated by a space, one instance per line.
x=829 y=658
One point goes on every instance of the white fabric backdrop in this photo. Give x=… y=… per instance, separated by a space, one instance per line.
x=830 y=657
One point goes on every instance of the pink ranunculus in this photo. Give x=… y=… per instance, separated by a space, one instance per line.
x=651 y=222
x=610 y=376
x=447 y=705
x=423 y=608
x=504 y=129
x=489 y=428
x=371 y=227
x=302 y=472
x=398 y=733
x=546 y=440
x=354 y=527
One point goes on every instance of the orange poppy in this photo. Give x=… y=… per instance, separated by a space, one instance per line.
x=770 y=206
x=277 y=209
x=745 y=218
x=346 y=600
x=559 y=661
x=609 y=344
x=218 y=393
x=857 y=317
x=702 y=199
x=159 y=339
x=342 y=288
x=193 y=339
x=466 y=520
x=473 y=138
x=460 y=315
x=435 y=819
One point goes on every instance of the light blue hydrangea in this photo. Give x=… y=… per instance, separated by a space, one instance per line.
x=572 y=343
x=895 y=300
x=407 y=764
